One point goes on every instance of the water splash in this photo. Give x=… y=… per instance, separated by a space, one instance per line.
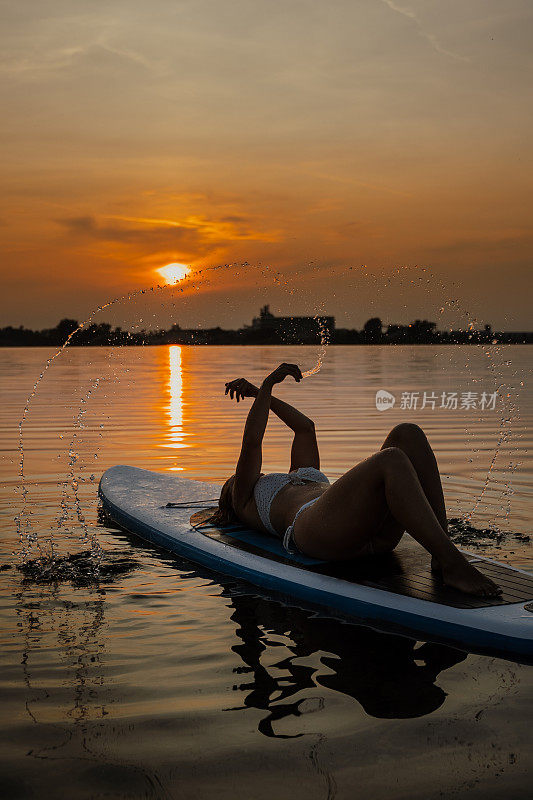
x=279 y=279
x=79 y=569
x=466 y=535
x=27 y=534
x=509 y=410
x=324 y=342
x=28 y=538
x=73 y=479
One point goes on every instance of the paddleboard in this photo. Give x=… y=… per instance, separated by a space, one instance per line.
x=397 y=589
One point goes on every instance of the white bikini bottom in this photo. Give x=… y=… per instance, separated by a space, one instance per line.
x=288 y=542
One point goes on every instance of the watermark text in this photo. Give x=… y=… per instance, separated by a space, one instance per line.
x=451 y=401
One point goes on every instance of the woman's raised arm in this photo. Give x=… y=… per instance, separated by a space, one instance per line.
x=250 y=458
x=304 y=451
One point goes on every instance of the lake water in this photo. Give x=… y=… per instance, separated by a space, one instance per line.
x=162 y=680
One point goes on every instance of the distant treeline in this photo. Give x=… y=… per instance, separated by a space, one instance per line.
x=373 y=332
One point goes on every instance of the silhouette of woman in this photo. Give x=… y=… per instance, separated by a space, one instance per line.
x=366 y=511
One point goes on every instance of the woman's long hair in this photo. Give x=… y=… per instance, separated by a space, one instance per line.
x=225 y=515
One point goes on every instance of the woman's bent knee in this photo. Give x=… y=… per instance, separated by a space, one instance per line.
x=406 y=431
x=393 y=458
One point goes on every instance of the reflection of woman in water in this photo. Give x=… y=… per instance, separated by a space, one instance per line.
x=390 y=676
x=366 y=511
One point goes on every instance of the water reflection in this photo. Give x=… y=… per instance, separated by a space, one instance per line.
x=388 y=675
x=68 y=701
x=176 y=435
x=71 y=627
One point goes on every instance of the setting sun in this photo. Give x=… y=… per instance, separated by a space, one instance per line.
x=172 y=273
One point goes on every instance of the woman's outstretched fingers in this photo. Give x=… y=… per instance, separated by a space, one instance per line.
x=239 y=389
x=230 y=387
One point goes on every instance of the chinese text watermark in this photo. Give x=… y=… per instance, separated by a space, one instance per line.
x=411 y=401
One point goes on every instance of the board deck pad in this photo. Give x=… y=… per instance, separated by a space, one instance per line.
x=405 y=571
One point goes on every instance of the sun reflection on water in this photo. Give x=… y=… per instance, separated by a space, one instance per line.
x=175 y=408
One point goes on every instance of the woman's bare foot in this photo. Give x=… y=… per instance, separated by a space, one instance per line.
x=466 y=578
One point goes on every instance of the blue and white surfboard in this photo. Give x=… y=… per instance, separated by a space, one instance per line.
x=397 y=590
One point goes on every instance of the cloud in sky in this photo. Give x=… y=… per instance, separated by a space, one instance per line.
x=193 y=234
x=409 y=12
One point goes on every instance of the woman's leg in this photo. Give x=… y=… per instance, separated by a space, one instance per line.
x=342 y=521
x=413 y=441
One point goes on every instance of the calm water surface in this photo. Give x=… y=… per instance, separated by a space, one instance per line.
x=162 y=680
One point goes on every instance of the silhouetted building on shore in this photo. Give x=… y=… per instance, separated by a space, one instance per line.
x=290 y=330
x=265 y=329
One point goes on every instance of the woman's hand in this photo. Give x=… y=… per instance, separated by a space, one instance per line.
x=241 y=388
x=281 y=372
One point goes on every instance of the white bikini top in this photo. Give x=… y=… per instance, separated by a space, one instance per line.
x=269 y=485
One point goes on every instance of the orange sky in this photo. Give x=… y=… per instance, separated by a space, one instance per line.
x=307 y=137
